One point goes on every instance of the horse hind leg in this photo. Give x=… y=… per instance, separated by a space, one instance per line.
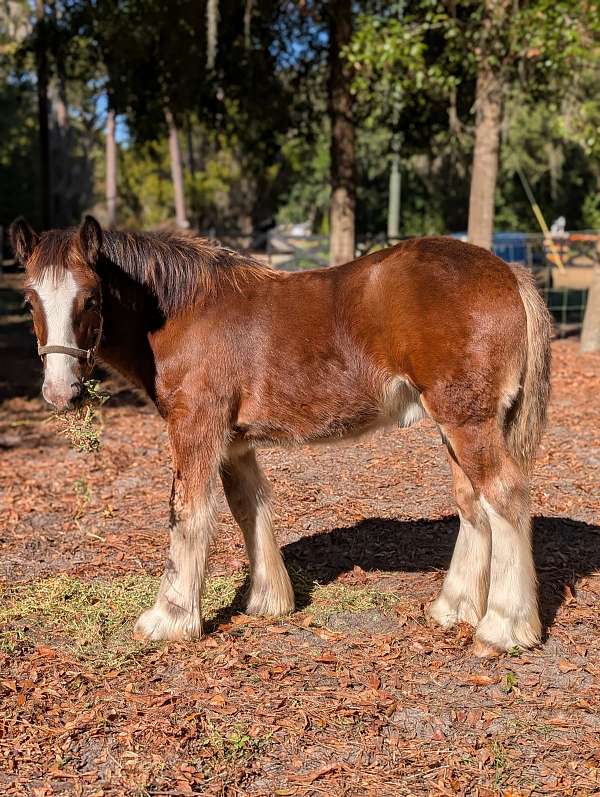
x=512 y=616
x=464 y=594
x=249 y=497
x=501 y=486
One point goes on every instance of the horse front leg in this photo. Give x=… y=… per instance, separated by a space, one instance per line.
x=249 y=497
x=176 y=613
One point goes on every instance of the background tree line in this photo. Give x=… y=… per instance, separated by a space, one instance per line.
x=236 y=114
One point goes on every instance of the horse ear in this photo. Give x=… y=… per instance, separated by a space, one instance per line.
x=23 y=239
x=90 y=239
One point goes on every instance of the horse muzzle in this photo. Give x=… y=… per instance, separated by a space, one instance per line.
x=62 y=395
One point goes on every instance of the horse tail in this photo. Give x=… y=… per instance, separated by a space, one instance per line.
x=526 y=419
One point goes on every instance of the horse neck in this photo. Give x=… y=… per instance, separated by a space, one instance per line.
x=130 y=314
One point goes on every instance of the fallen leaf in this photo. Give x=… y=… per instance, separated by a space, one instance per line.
x=482 y=680
x=567 y=666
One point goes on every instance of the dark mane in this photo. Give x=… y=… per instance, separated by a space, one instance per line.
x=179 y=268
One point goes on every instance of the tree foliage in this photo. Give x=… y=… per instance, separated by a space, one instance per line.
x=254 y=128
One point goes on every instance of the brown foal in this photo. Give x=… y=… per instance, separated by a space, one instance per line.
x=236 y=355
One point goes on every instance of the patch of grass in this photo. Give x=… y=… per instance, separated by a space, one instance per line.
x=323 y=601
x=220 y=592
x=500 y=765
x=94 y=619
x=230 y=743
x=13 y=640
x=303 y=585
x=510 y=681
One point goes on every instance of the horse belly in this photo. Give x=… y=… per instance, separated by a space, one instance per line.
x=330 y=418
x=399 y=405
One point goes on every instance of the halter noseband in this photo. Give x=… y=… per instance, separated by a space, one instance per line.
x=87 y=354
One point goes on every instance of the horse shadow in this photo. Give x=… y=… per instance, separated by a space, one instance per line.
x=564 y=550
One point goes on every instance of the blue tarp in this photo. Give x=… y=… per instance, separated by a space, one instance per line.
x=510 y=246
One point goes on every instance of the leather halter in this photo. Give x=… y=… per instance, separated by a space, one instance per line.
x=87 y=354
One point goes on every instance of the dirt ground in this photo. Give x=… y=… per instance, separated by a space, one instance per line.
x=353 y=694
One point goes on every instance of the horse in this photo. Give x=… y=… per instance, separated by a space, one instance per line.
x=236 y=355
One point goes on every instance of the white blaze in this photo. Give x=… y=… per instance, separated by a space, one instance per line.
x=57 y=295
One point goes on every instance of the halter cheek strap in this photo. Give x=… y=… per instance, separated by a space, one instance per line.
x=86 y=354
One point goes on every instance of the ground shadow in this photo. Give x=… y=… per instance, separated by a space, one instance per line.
x=21 y=374
x=565 y=550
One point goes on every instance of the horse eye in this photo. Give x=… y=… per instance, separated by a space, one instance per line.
x=91 y=303
x=27 y=305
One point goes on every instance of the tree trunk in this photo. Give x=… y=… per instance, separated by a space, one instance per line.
x=343 y=189
x=65 y=180
x=248 y=24
x=111 y=169
x=189 y=134
x=394 y=200
x=41 y=60
x=176 y=172
x=212 y=24
x=488 y=109
x=590 y=333
x=488 y=119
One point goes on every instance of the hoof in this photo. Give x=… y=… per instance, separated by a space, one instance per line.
x=159 y=624
x=266 y=601
x=485 y=650
x=505 y=633
x=269 y=606
x=448 y=614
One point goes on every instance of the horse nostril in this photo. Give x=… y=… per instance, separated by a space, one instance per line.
x=76 y=394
